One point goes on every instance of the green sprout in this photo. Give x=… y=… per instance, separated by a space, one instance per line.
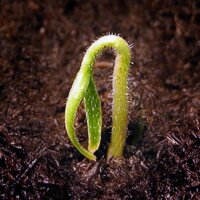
x=84 y=89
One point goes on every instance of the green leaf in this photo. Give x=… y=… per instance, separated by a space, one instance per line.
x=94 y=116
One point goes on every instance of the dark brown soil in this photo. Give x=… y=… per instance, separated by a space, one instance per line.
x=42 y=44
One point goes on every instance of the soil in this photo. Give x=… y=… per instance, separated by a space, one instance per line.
x=42 y=44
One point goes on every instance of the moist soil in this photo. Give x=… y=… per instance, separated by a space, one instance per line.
x=42 y=44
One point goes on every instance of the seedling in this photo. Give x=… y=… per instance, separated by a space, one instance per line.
x=84 y=89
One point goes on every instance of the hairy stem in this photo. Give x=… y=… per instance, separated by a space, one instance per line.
x=80 y=90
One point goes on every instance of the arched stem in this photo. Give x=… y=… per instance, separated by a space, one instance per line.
x=84 y=87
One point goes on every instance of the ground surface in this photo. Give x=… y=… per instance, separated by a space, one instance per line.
x=42 y=44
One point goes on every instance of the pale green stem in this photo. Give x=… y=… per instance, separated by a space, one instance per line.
x=120 y=106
